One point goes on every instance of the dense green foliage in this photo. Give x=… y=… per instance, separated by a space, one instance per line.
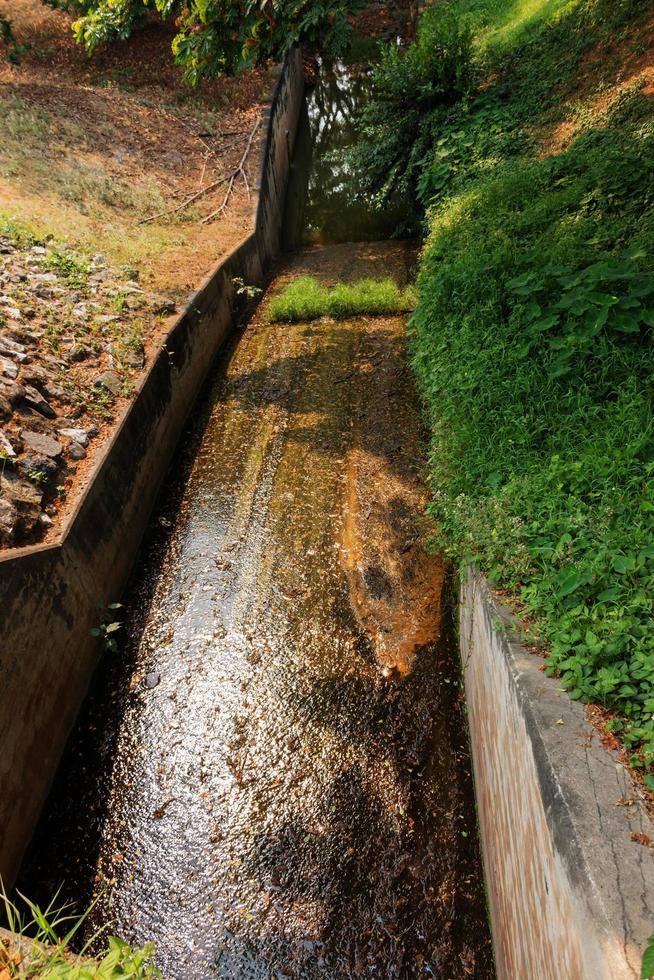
x=217 y=37
x=13 y=50
x=533 y=344
x=307 y=299
x=411 y=88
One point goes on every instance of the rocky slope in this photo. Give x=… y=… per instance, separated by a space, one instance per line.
x=72 y=335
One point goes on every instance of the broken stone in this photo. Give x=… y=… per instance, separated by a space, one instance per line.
x=108 y=381
x=55 y=361
x=38 y=466
x=34 y=399
x=14 y=350
x=8 y=521
x=24 y=505
x=164 y=308
x=42 y=444
x=35 y=376
x=8 y=368
x=152 y=679
x=6 y=448
x=45 y=521
x=12 y=391
x=134 y=360
x=75 y=451
x=76 y=435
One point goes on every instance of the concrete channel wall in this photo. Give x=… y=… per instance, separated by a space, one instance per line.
x=570 y=890
x=50 y=594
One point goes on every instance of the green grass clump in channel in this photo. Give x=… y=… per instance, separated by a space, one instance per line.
x=533 y=345
x=307 y=299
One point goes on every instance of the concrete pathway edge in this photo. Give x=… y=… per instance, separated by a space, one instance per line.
x=570 y=885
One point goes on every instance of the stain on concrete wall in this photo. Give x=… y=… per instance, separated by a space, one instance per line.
x=571 y=895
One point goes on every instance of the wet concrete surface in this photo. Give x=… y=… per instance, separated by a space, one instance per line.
x=272 y=774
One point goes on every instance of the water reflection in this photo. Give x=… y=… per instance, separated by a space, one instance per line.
x=326 y=202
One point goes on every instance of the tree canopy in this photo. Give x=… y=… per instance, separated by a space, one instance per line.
x=214 y=37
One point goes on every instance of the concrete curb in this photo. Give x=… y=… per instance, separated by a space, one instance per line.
x=50 y=594
x=571 y=895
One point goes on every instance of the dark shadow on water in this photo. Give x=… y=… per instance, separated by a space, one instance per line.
x=326 y=202
x=398 y=905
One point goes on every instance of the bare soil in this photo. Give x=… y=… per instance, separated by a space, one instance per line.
x=606 y=73
x=92 y=149
x=126 y=115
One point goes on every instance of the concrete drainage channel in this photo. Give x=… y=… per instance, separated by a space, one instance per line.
x=49 y=595
x=263 y=799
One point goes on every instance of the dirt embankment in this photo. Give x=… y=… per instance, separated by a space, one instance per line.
x=109 y=168
x=607 y=77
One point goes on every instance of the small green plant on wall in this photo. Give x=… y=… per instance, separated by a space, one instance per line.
x=105 y=631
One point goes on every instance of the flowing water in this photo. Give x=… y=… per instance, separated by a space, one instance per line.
x=271 y=779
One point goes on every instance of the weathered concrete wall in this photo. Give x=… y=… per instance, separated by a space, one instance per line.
x=49 y=595
x=571 y=895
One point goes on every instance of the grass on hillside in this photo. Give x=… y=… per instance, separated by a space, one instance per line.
x=533 y=343
x=307 y=299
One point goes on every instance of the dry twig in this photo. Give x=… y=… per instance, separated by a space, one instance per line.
x=189 y=200
x=231 y=177
x=239 y=170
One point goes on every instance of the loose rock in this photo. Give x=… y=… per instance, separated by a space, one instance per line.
x=77 y=435
x=8 y=521
x=108 y=381
x=8 y=368
x=42 y=444
x=34 y=399
x=40 y=466
x=6 y=448
x=24 y=500
x=75 y=451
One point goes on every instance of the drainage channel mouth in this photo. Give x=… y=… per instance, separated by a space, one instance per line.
x=271 y=778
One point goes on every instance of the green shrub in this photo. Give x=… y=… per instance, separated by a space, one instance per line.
x=40 y=941
x=13 y=50
x=307 y=299
x=533 y=347
x=410 y=88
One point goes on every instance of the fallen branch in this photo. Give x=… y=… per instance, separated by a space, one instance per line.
x=240 y=169
x=231 y=177
x=189 y=200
